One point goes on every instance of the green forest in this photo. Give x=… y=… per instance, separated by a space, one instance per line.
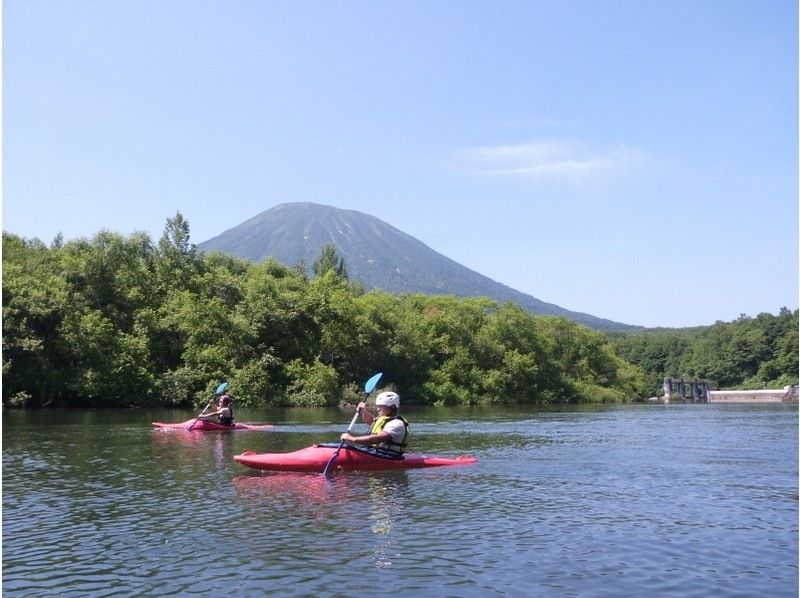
x=749 y=353
x=121 y=321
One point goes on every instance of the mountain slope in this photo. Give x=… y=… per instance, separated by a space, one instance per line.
x=375 y=254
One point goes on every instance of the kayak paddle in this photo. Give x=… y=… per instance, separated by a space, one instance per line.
x=368 y=387
x=220 y=389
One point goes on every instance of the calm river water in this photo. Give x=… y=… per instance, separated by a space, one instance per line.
x=688 y=500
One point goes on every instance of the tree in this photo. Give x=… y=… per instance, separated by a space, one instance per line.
x=329 y=260
x=175 y=239
x=178 y=262
x=35 y=302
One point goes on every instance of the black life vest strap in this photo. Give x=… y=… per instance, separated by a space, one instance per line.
x=369 y=450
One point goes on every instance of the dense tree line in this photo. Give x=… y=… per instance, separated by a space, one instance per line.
x=121 y=321
x=750 y=352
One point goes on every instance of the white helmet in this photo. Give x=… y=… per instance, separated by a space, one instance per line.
x=390 y=399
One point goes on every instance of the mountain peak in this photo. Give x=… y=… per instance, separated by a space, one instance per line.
x=375 y=254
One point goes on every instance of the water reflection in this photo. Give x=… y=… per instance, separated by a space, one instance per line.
x=301 y=488
x=370 y=500
x=387 y=498
x=183 y=446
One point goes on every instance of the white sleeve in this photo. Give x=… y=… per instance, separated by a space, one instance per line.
x=397 y=429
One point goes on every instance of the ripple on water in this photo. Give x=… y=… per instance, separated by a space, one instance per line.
x=615 y=502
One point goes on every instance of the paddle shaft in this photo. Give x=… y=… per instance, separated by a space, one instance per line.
x=199 y=416
x=353 y=421
x=341 y=444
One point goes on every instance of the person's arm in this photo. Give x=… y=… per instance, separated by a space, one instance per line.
x=368 y=439
x=209 y=415
x=366 y=416
x=210 y=405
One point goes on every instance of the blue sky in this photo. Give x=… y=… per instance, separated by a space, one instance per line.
x=635 y=160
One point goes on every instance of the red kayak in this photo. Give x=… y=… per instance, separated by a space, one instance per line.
x=202 y=425
x=351 y=458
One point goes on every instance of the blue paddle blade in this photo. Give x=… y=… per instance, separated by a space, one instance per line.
x=372 y=382
x=221 y=388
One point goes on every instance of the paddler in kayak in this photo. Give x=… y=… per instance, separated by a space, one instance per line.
x=224 y=413
x=387 y=430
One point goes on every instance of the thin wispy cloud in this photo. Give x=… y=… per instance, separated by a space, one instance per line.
x=549 y=160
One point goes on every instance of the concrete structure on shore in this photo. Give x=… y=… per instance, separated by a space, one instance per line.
x=787 y=395
x=699 y=391
x=695 y=391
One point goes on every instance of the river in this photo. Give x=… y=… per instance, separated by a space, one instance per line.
x=689 y=500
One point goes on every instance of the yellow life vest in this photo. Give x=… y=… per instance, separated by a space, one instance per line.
x=377 y=427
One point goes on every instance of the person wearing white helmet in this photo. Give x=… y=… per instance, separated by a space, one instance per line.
x=387 y=430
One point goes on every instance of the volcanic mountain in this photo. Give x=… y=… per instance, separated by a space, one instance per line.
x=375 y=254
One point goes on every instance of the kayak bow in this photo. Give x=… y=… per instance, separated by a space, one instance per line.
x=351 y=458
x=202 y=425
